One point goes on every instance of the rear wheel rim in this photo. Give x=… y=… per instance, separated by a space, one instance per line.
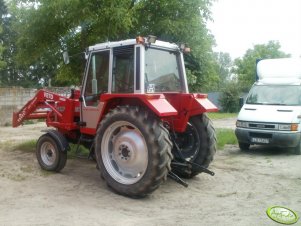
x=124 y=152
x=48 y=153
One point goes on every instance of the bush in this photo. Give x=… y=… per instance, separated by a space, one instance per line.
x=229 y=99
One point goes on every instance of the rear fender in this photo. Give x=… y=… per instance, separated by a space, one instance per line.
x=155 y=102
x=200 y=104
x=188 y=105
x=159 y=105
x=176 y=108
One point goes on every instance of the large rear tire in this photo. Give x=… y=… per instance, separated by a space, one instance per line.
x=133 y=151
x=197 y=144
x=49 y=154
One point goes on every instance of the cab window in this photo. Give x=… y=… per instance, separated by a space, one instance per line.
x=123 y=70
x=97 y=79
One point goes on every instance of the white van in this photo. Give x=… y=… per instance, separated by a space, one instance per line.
x=271 y=114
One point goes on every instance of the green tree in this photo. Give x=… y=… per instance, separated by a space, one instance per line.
x=3 y=12
x=245 y=67
x=183 y=22
x=12 y=74
x=229 y=99
x=47 y=28
x=223 y=67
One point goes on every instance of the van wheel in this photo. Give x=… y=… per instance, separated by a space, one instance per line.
x=298 y=149
x=244 y=146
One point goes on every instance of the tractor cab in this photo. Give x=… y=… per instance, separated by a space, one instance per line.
x=134 y=66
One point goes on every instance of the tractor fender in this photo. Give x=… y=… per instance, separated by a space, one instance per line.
x=201 y=104
x=155 y=102
x=59 y=139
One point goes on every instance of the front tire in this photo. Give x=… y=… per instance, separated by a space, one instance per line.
x=244 y=146
x=197 y=144
x=297 y=149
x=133 y=151
x=49 y=154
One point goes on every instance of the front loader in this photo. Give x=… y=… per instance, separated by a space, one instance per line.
x=134 y=113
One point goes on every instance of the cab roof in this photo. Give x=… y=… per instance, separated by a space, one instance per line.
x=108 y=45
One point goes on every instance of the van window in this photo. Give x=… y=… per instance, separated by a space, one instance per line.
x=275 y=95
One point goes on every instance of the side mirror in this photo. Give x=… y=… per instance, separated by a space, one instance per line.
x=66 y=57
x=241 y=102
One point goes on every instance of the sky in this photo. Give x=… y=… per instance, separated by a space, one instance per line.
x=240 y=24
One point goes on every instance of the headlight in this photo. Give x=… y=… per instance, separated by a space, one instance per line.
x=289 y=127
x=285 y=127
x=242 y=124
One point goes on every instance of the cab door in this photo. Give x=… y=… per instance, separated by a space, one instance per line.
x=96 y=83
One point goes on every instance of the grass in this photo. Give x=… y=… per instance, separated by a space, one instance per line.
x=27 y=169
x=225 y=136
x=82 y=151
x=14 y=177
x=30 y=146
x=26 y=122
x=7 y=124
x=219 y=115
x=5 y=144
x=29 y=122
x=27 y=146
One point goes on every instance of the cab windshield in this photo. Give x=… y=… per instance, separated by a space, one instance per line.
x=161 y=71
x=275 y=95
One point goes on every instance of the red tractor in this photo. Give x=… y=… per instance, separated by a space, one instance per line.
x=135 y=115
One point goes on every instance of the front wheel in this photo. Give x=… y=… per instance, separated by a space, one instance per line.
x=243 y=146
x=297 y=149
x=197 y=144
x=133 y=151
x=49 y=154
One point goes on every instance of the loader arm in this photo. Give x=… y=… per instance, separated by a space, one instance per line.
x=50 y=106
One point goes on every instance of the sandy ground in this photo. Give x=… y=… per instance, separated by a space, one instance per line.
x=245 y=185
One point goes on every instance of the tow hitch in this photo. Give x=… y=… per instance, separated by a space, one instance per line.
x=186 y=166
x=182 y=165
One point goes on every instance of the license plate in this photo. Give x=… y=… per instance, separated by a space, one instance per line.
x=260 y=140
